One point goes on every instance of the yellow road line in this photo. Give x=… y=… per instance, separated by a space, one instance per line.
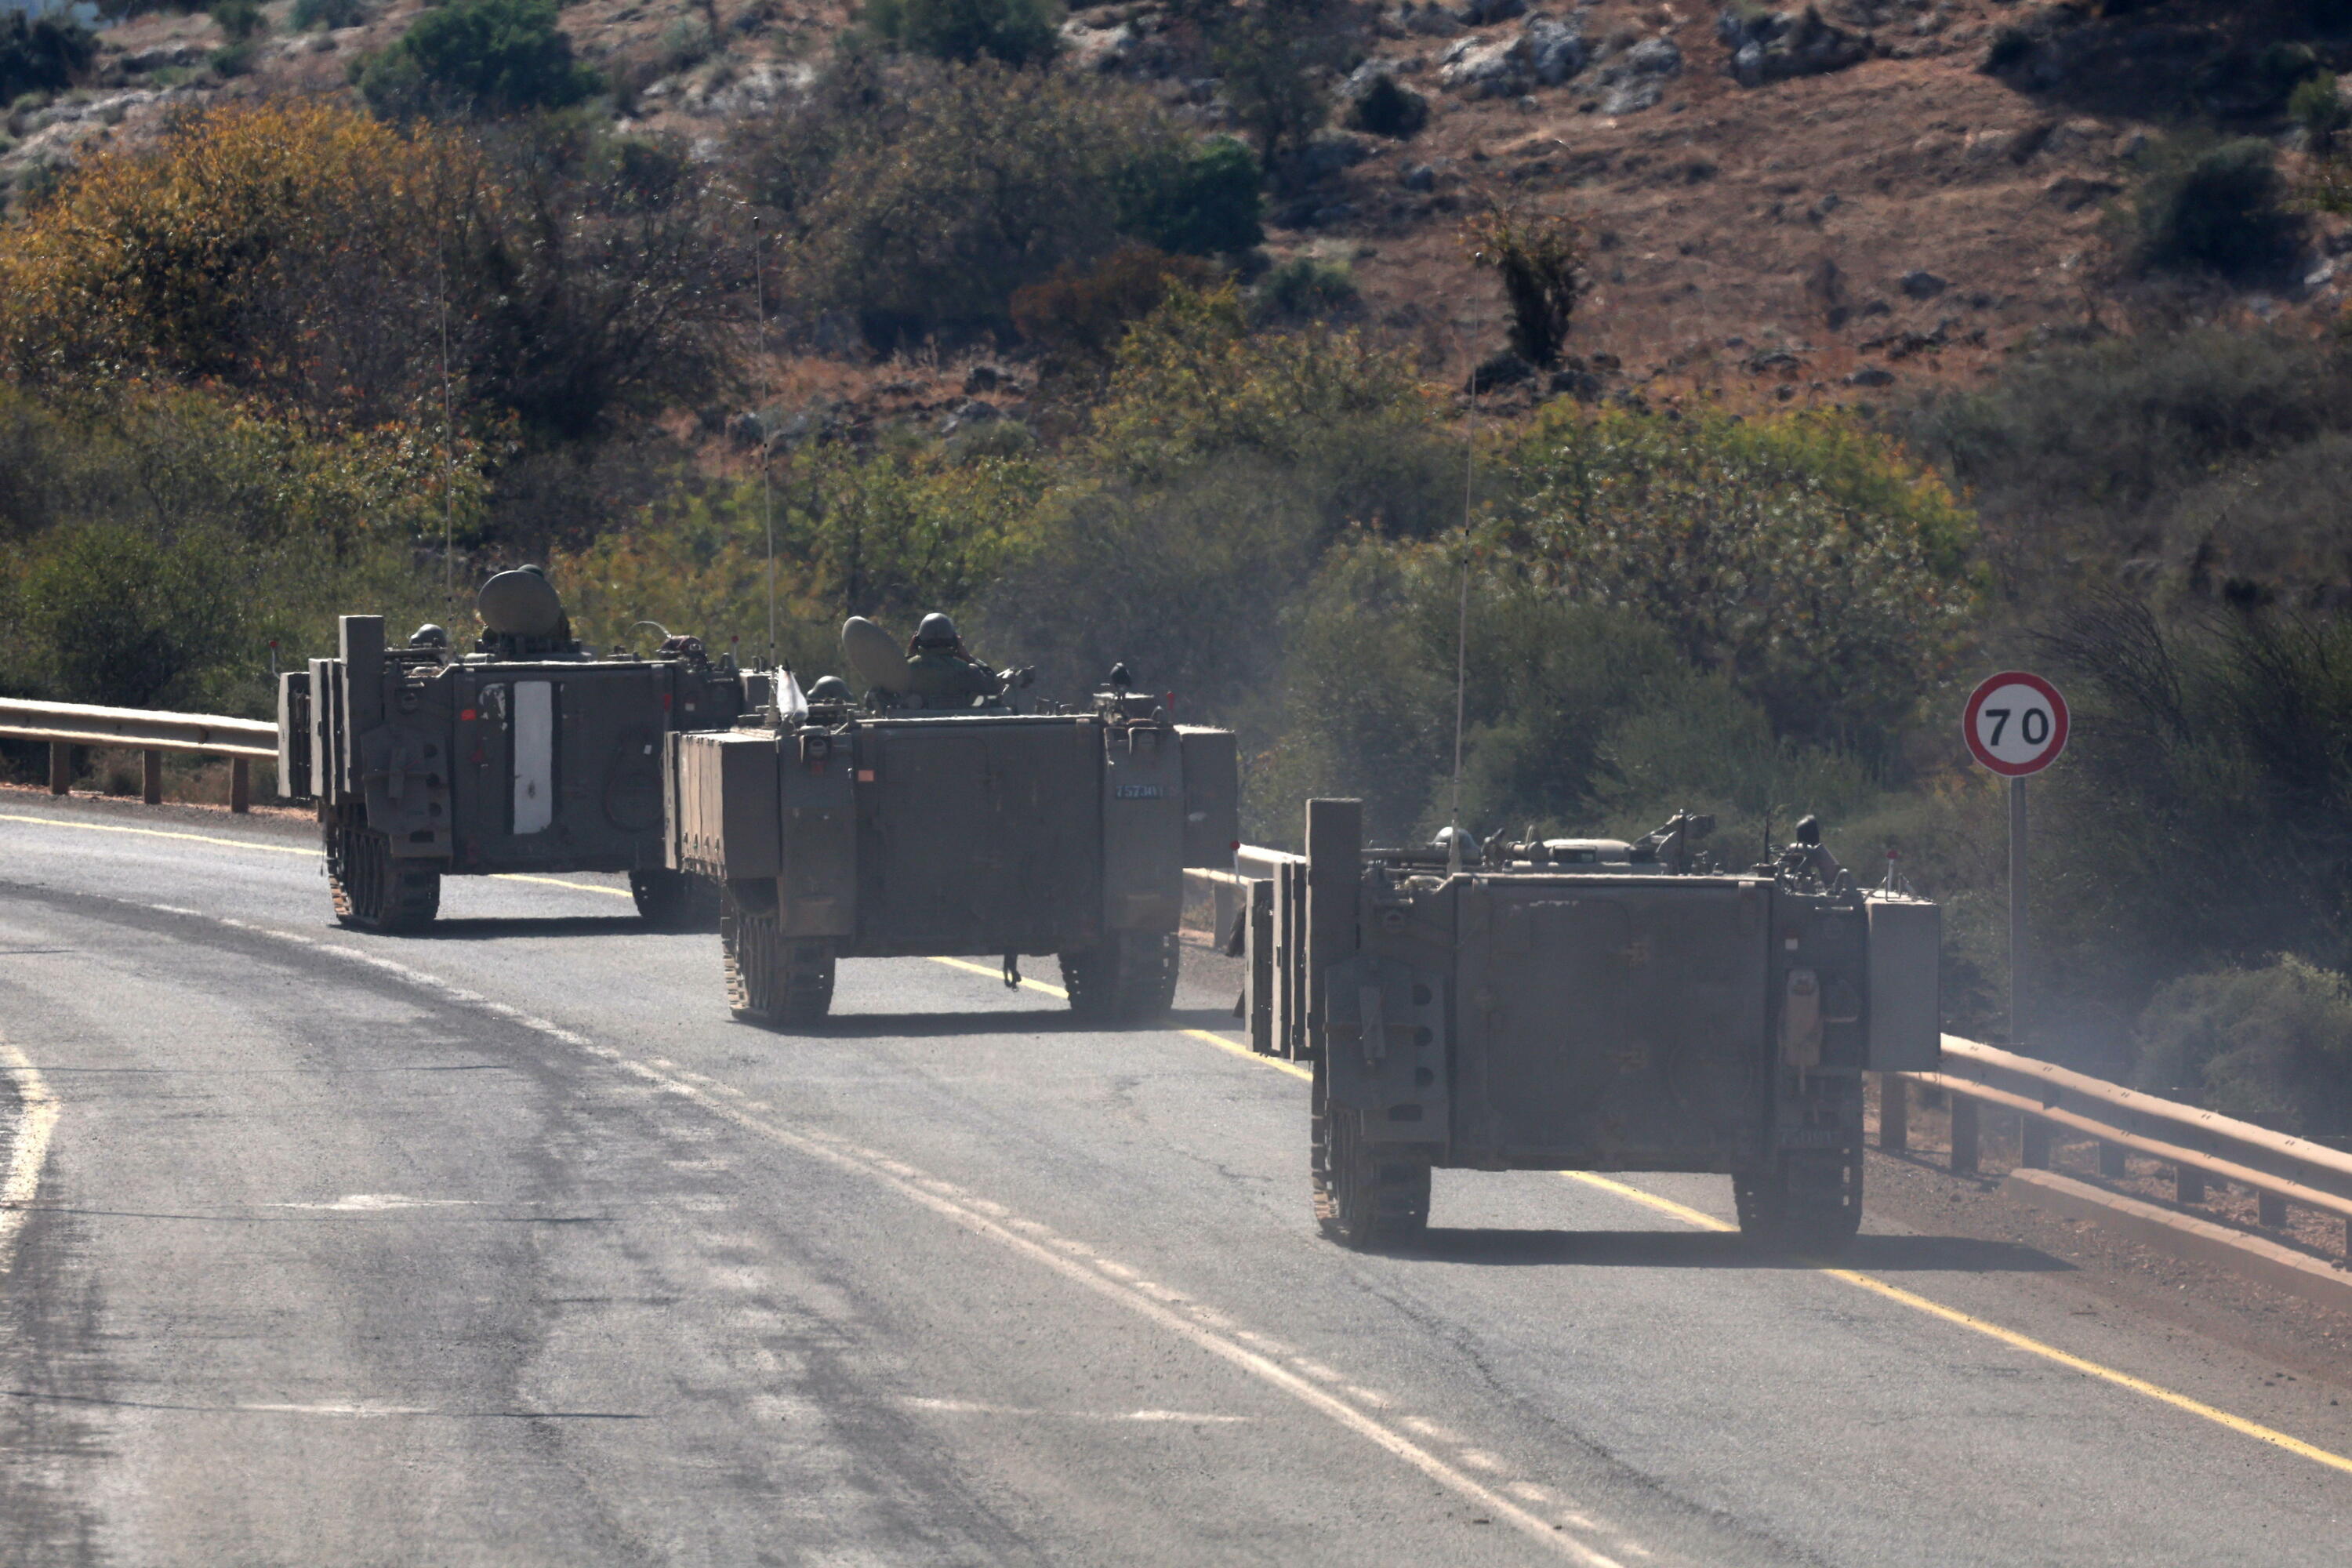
x=1917 y=1303
x=20 y=1180
x=998 y=974
x=159 y=833
x=2008 y=1337
x=559 y=882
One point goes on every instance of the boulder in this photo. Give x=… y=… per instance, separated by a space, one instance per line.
x=1484 y=70
x=1485 y=13
x=1554 y=50
x=1775 y=46
x=1636 y=78
x=1505 y=368
x=1922 y=285
x=1871 y=375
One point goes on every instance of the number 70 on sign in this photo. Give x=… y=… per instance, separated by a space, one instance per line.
x=2015 y=723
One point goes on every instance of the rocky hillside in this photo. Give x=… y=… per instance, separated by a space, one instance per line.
x=1832 y=203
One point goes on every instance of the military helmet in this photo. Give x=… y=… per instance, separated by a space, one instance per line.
x=829 y=688
x=937 y=631
x=520 y=603
x=428 y=636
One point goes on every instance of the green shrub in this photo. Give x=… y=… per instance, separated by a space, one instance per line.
x=1803 y=557
x=922 y=197
x=2319 y=108
x=124 y=619
x=1017 y=32
x=686 y=42
x=42 y=55
x=2271 y=1044
x=1303 y=290
x=1388 y=108
x=1274 y=58
x=309 y=15
x=1540 y=259
x=238 y=20
x=1193 y=200
x=2215 y=207
x=487 y=57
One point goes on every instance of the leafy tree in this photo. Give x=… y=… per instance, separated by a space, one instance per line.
x=312 y=257
x=1197 y=200
x=922 y=196
x=487 y=57
x=43 y=54
x=2216 y=207
x=2318 y=106
x=1275 y=57
x=1015 y=32
x=1829 y=577
x=1541 y=262
x=1081 y=313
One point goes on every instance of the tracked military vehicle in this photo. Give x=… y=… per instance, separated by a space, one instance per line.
x=938 y=816
x=1585 y=1006
x=528 y=753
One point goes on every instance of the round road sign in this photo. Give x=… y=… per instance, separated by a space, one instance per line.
x=2016 y=723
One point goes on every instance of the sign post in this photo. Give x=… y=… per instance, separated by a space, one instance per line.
x=2016 y=725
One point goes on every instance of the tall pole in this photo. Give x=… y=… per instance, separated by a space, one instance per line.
x=2017 y=913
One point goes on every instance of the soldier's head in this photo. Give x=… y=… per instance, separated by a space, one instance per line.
x=428 y=636
x=937 y=631
x=829 y=688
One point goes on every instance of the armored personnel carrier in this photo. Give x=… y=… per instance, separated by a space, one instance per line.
x=936 y=816
x=1586 y=1005
x=528 y=753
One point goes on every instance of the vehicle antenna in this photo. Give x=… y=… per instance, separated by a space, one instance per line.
x=767 y=481
x=448 y=456
x=1462 y=604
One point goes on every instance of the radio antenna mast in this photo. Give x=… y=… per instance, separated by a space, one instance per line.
x=767 y=481
x=448 y=456
x=1462 y=604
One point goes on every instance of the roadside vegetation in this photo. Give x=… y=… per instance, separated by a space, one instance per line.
x=299 y=358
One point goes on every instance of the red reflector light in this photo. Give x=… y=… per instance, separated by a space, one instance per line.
x=865 y=776
x=467 y=714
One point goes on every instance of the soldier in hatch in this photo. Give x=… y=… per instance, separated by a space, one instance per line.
x=938 y=665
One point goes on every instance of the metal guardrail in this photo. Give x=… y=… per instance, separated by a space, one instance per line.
x=65 y=725
x=2201 y=1146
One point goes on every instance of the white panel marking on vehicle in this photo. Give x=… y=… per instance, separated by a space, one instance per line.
x=534 y=756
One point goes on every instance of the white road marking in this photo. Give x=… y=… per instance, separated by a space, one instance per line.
x=967 y=1407
x=378 y=1203
x=28 y=1149
x=1036 y=1242
x=358 y=1409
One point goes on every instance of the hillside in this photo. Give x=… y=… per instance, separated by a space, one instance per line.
x=1898 y=215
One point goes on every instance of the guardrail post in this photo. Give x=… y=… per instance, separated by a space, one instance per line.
x=60 y=767
x=2111 y=1165
x=2271 y=1210
x=240 y=785
x=2188 y=1185
x=150 y=777
x=2033 y=1142
x=1894 y=1112
x=1964 y=1133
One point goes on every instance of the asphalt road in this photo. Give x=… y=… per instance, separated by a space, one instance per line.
x=504 y=1245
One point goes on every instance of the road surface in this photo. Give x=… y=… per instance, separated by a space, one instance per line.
x=505 y=1245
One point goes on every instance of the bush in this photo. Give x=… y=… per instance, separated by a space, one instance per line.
x=42 y=55
x=482 y=57
x=1079 y=315
x=1193 y=387
x=305 y=255
x=686 y=42
x=2217 y=208
x=1303 y=290
x=1199 y=199
x=2272 y=1045
x=1015 y=32
x=1388 y=108
x=1806 y=560
x=238 y=20
x=328 y=14
x=2318 y=105
x=1541 y=262
x=921 y=198
x=1274 y=57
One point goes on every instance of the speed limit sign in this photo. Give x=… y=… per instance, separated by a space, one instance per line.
x=2015 y=723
